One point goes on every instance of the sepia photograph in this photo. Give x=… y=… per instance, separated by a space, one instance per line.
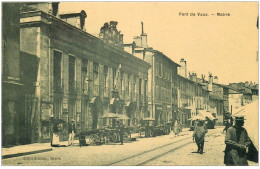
x=130 y=83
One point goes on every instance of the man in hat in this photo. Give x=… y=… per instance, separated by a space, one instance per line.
x=236 y=142
x=71 y=131
x=121 y=131
x=199 y=135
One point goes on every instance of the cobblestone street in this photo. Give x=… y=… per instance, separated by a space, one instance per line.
x=161 y=150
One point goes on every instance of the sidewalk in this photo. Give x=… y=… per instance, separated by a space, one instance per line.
x=28 y=149
x=25 y=150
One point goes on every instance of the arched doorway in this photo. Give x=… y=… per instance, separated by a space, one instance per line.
x=130 y=112
x=96 y=110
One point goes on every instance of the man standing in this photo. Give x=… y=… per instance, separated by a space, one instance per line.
x=199 y=135
x=236 y=142
x=121 y=128
x=71 y=131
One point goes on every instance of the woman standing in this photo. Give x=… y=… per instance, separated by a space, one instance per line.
x=55 y=135
x=199 y=134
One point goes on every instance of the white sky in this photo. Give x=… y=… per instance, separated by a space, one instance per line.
x=225 y=46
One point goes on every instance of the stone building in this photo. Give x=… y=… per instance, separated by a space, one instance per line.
x=241 y=94
x=190 y=98
x=78 y=75
x=11 y=76
x=162 y=80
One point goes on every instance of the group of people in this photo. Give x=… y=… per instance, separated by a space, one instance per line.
x=236 y=140
x=72 y=131
x=55 y=133
x=177 y=127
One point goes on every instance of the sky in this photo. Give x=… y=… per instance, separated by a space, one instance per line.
x=226 y=46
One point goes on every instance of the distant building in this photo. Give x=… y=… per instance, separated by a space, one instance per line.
x=242 y=94
x=162 y=80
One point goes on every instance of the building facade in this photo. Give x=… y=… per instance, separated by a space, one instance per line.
x=78 y=76
x=12 y=85
x=162 y=80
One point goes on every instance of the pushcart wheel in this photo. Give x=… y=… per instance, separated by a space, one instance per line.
x=126 y=137
x=150 y=133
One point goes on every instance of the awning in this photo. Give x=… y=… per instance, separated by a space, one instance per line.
x=112 y=100
x=128 y=104
x=93 y=100
x=250 y=112
x=197 y=117
x=148 y=119
x=109 y=115
x=122 y=117
x=204 y=113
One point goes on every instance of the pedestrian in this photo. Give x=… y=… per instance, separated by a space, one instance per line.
x=121 y=128
x=147 y=129
x=71 y=131
x=237 y=141
x=176 y=128
x=227 y=125
x=199 y=135
x=55 y=135
x=180 y=126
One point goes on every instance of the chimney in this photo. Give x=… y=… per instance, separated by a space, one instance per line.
x=141 y=41
x=183 y=69
x=51 y=8
x=76 y=19
x=210 y=82
x=203 y=77
x=215 y=79
x=251 y=84
x=246 y=83
x=193 y=77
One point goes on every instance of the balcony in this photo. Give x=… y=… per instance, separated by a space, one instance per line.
x=58 y=85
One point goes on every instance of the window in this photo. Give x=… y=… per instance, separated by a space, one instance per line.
x=96 y=79
x=145 y=86
x=106 y=81
x=121 y=81
x=95 y=72
x=114 y=77
x=55 y=6
x=57 y=70
x=71 y=73
x=84 y=70
x=105 y=76
x=140 y=88
x=128 y=85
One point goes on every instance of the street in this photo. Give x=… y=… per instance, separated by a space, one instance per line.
x=155 y=151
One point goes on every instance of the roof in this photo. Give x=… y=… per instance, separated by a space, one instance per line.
x=82 y=12
x=215 y=97
x=222 y=85
x=189 y=80
x=156 y=51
